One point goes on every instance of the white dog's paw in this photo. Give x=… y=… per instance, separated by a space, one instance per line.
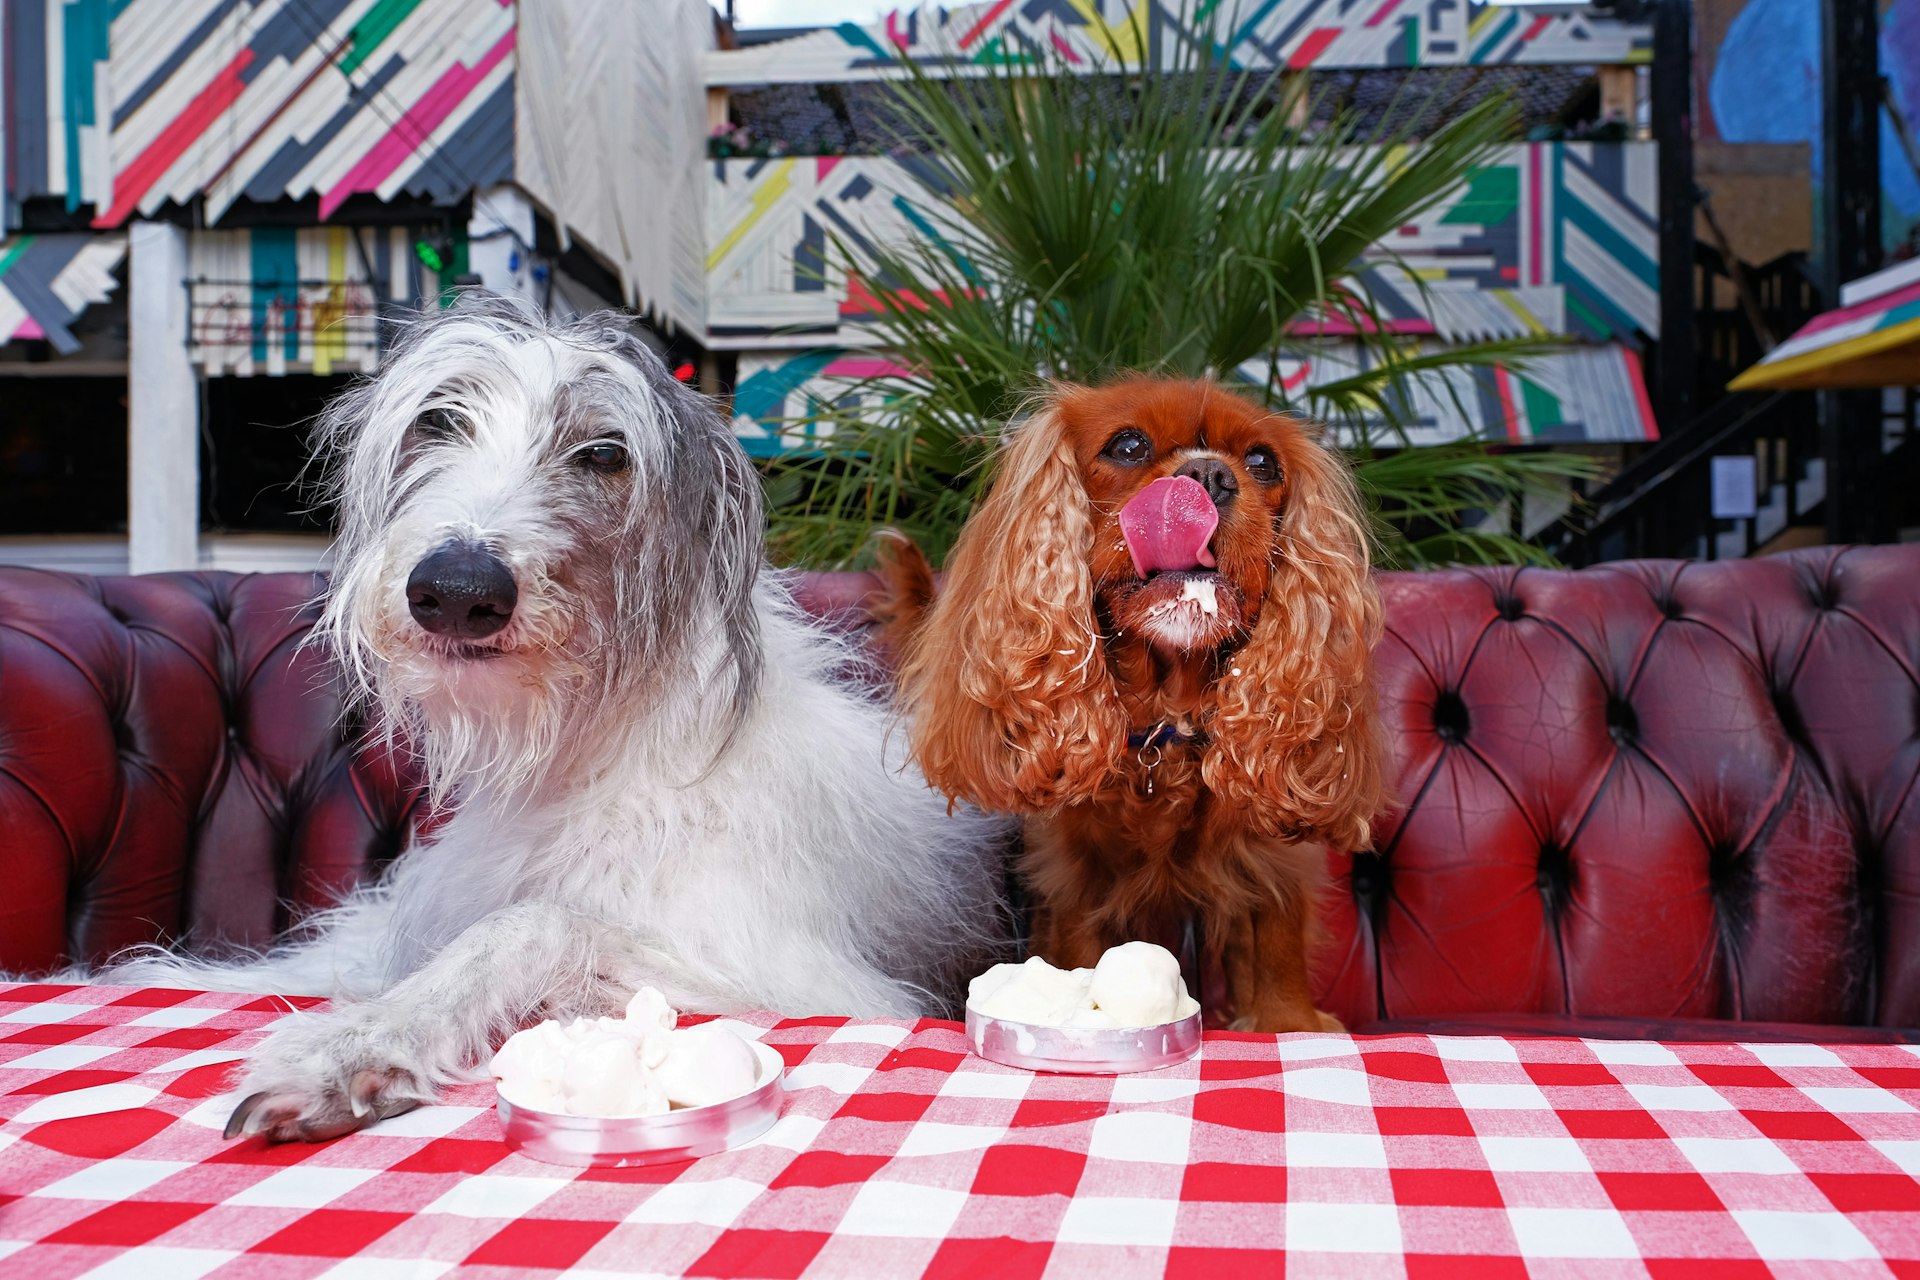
x=325 y=1076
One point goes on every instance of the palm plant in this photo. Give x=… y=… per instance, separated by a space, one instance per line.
x=1083 y=225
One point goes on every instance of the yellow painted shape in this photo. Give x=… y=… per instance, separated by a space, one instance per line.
x=1794 y=370
x=1121 y=39
x=1526 y=317
x=330 y=316
x=768 y=195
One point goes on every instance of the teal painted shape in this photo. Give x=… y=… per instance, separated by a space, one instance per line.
x=1492 y=194
x=1615 y=245
x=1899 y=315
x=1496 y=40
x=1260 y=12
x=1589 y=295
x=276 y=278
x=83 y=30
x=763 y=396
x=931 y=232
x=855 y=35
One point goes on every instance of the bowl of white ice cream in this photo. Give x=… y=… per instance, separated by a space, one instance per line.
x=634 y=1090
x=1130 y=1012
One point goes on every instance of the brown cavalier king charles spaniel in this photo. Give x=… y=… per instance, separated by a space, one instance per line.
x=1153 y=643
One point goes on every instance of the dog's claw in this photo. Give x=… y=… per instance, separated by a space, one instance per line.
x=237 y=1122
x=363 y=1092
x=364 y=1098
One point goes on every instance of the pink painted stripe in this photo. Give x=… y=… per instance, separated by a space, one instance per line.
x=1064 y=47
x=1637 y=378
x=1860 y=310
x=1305 y=53
x=415 y=127
x=1380 y=15
x=1536 y=230
x=132 y=183
x=1539 y=25
x=822 y=166
x=985 y=22
x=29 y=328
x=1504 y=385
x=856 y=367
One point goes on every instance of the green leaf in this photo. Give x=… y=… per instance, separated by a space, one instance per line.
x=1085 y=224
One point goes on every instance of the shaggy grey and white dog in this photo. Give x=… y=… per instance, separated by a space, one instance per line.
x=551 y=582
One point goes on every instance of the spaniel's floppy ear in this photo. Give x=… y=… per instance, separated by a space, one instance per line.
x=1006 y=680
x=1293 y=734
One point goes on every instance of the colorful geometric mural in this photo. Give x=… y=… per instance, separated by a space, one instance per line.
x=125 y=105
x=773 y=390
x=1553 y=238
x=1259 y=34
x=275 y=300
x=1583 y=393
x=46 y=281
x=769 y=223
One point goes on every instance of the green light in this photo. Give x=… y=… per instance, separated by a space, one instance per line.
x=429 y=256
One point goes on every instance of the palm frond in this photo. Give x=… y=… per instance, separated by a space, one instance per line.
x=1088 y=221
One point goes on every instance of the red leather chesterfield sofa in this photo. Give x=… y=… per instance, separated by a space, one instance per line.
x=1631 y=798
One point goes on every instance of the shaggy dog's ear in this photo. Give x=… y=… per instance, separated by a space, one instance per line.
x=702 y=512
x=1013 y=706
x=1292 y=737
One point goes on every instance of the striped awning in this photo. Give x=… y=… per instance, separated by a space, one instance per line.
x=46 y=281
x=1872 y=339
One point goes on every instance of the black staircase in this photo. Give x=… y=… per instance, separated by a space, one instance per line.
x=1659 y=504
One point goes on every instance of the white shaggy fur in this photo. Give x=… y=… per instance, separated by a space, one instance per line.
x=654 y=776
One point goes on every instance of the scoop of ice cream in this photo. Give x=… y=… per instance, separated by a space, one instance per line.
x=529 y=1066
x=1138 y=984
x=1034 y=992
x=706 y=1064
x=649 y=1010
x=620 y=1066
x=1168 y=524
x=604 y=1077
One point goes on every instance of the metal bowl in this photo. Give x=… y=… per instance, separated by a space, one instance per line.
x=671 y=1136
x=1083 y=1051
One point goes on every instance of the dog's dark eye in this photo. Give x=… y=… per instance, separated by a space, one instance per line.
x=1129 y=448
x=602 y=457
x=440 y=424
x=1262 y=465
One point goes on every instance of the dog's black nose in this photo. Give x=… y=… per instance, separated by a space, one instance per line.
x=461 y=589
x=1215 y=476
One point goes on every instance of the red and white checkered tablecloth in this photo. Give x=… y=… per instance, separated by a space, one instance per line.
x=900 y=1155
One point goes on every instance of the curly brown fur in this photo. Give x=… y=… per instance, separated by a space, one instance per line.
x=1046 y=646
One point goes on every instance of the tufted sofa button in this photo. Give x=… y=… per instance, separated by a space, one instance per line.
x=1623 y=724
x=1511 y=608
x=1369 y=875
x=1450 y=717
x=1554 y=873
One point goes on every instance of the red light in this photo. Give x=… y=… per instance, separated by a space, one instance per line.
x=684 y=371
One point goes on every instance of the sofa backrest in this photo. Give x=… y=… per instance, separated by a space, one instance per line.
x=1647 y=789
x=174 y=766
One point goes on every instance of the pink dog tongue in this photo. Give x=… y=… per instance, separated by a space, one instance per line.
x=1168 y=524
